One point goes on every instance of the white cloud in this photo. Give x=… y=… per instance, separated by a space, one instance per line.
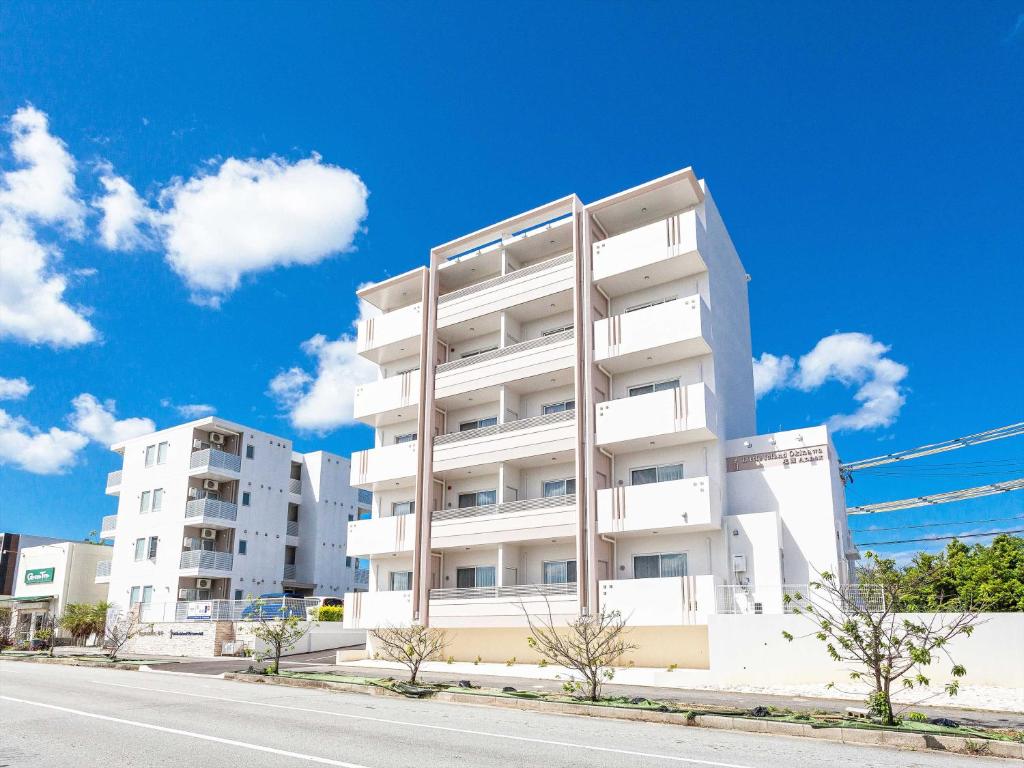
x=43 y=453
x=124 y=214
x=195 y=410
x=853 y=360
x=14 y=389
x=39 y=193
x=96 y=420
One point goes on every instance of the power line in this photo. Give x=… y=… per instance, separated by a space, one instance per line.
x=939 y=538
x=938 y=498
x=933 y=525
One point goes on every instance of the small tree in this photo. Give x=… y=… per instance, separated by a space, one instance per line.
x=279 y=632
x=118 y=632
x=860 y=627
x=589 y=645
x=410 y=646
x=81 y=620
x=6 y=628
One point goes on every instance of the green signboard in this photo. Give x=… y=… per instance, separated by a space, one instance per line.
x=39 y=576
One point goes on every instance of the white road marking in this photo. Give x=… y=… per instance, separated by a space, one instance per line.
x=189 y=734
x=549 y=742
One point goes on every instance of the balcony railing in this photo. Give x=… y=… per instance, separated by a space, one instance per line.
x=206 y=559
x=292 y=528
x=289 y=572
x=508 y=426
x=494 y=354
x=218 y=459
x=496 y=281
x=103 y=569
x=113 y=478
x=523 y=505
x=361 y=577
x=295 y=485
x=109 y=523
x=215 y=509
x=517 y=590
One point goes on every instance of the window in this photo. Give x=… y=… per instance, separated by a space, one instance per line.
x=134 y=599
x=647 y=304
x=476 y=352
x=161 y=453
x=559 y=329
x=399 y=508
x=150 y=455
x=560 y=487
x=250 y=451
x=399 y=581
x=365 y=497
x=477 y=499
x=659 y=566
x=477 y=424
x=158 y=499
x=348 y=562
x=147 y=595
x=660 y=474
x=246 y=498
x=140 y=549
x=406 y=438
x=566 y=405
x=646 y=389
x=151 y=552
x=478 y=576
x=238 y=594
x=242 y=546
x=559 y=571
x=144 y=502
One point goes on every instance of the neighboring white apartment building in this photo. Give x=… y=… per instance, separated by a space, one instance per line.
x=214 y=510
x=564 y=419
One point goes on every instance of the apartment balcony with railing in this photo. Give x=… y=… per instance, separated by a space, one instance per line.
x=108 y=526
x=381 y=536
x=668 y=601
x=661 y=333
x=389 y=466
x=659 y=252
x=388 y=400
x=295 y=486
x=214 y=464
x=202 y=562
x=673 y=506
x=292 y=528
x=502 y=606
x=391 y=335
x=550 y=433
x=114 y=483
x=209 y=512
x=290 y=572
x=670 y=417
x=103 y=572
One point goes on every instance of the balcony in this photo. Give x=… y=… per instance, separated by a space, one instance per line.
x=668 y=602
x=108 y=526
x=663 y=333
x=550 y=433
x=392 y=335
x=114 y=483
x=369 y=610
x=663 y=251
x=215 y=464
x=290 y=572
x=210 y=513
x=527 y=284
x=536 y=357
x=390 y=466
x=103 y=572
x=502 y=606
x=381 y=536
x=385 y=401
x=670 y=417
x=201 y=560
x=524 y=520
x=292 y=528
x=675 y=506
x=295 y=486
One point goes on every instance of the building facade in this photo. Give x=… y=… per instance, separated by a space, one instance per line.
x=564 y=422
x=11 y=545
x=213 y=510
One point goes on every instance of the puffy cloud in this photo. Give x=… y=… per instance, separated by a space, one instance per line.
x=853 y=360
x=124 y=214
x=43 y=453
x=96 y=420
x=195 y=410
x=14 y=389
x=41 y=192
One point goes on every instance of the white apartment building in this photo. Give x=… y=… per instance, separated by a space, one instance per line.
x=565 y=420
x=214 y=510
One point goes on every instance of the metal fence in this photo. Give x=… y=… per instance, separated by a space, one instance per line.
x=206 y=559
x=226 y=610
x=213 y=457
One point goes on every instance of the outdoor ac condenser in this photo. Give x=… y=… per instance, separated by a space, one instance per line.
x=202 y=583
x=211 y=485
x=216 y=438
x=208 y=533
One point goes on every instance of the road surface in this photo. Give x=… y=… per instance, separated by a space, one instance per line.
x=60 y=716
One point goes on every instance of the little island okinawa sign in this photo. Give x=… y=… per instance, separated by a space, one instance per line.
x=39 y=576
x=783 y=458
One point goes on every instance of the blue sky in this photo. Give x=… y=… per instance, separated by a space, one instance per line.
x=867 y=160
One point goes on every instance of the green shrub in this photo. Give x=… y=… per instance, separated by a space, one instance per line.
x=330 y=613
x=917 y=717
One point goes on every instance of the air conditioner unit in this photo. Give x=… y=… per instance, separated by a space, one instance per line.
x=193 y=493
x=739 y=563
x=208 y=533
x=211 y=485
x=197 y=445
x=202 y=583
x=183 y=594
x=216 y=438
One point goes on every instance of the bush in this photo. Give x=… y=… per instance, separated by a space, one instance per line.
x=330 y=613
x=917 y=717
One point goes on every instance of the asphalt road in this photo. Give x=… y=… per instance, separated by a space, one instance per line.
x=76 y=716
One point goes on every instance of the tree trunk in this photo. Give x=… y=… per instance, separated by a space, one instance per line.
x=277 y=658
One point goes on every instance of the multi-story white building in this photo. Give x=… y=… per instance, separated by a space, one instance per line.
x=564 y=420
x=215 y=510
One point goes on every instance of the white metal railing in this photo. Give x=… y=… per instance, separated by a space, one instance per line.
x=361 y=577
x=294 y=485
x=109 y=523
x=216 y=458
x=194 y=609
x=733 y=598
x=523 y=505
x=216 y=509
x=289 y=572
x=508 y=426
x=292 y=528
x=517 y=590
x=102 y=568
x=495 y=281
x=113 y=478
x=205 y=558
x=494 y=354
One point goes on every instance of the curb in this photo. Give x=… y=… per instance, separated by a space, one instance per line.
x=878 y=738
x=66 y=662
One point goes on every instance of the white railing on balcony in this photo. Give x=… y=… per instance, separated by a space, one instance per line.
x=523 y=505
x=292 y=528
x=496 y=281
x=508 y=426
x=192 y=608
x=103 y=569
x=494 y=354
x=215 y=509
x=113 y=478
x=734 y=598
x=109 y=523
x=290 y=572
x=295 y=485
x=361 y=577
x=206 y=559
x=517 y=590
x=213 y=457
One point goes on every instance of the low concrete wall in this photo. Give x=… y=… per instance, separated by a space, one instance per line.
x=185 y=638
x=319 y=636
